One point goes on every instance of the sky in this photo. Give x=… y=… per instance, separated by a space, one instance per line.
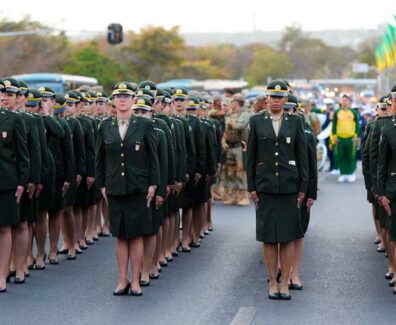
x=204 y=15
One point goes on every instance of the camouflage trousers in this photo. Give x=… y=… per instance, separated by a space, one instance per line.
x=235 y=172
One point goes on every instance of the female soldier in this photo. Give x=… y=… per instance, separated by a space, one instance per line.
x=14 y=175
x=127 y=174
x=277 y=171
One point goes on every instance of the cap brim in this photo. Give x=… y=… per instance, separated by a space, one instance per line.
x=277 y=93
x=32 y=103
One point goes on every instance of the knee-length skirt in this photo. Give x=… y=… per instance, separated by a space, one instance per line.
x=9 y=215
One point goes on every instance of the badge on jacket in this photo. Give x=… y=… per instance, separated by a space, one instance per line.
x=137 y=146
x=4 y=134
x=288 y=140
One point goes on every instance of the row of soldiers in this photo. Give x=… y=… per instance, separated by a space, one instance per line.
x=49 y=144
x=379 y=170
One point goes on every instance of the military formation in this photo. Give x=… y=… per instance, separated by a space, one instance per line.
x=379 y=170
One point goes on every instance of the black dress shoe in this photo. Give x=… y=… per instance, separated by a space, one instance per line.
x=377 y=241
x=284 y=296
x=163 y=263
x=136 y=293
x=90 y=242
x=175 y=254
x=63 y=251
x=202 y=236
x=154 y=276
x=206 y=232
x=95 y=238
x=53 y=261
x=388 y=275
x=78 y=251
x=3 y=290
x=31 y=266
x=195 y=245
x=186 y=249
x=71 y=257
x=168 y=258
x=392 y=283
x=83 y=247
x=210 y=229
x=105 y=234
x=381 y=249
x=122 y=292
x=19 y=280
x=144 y=283
x=295 y=286
x=27 y=274
x=274 y=296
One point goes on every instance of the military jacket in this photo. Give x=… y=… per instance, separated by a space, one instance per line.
x=199 y=142
x=162 y=151
x=89 y=141
x=78 y=145
x=365 y=149
x=210 y=147
x=14 y=155
x=312 y=164
x=277 y=164
x=43 y=148
x=180 y=151
x=127 y=166
x=189 y=145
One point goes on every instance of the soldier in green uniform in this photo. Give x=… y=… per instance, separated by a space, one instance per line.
x=14 y=161
x=128 y=175
x=234 y=140
x=386 y=189
x=27 y=212
x=277 y=176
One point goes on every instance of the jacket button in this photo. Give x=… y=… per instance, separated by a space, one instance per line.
x=276 y=143
x=122 y=144
x=122 y=164
x=276 y=174
x=122 y=155
x=276 y=164
x=122 y=174
x=276 y=153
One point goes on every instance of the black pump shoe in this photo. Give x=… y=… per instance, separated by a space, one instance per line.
x=122 y=292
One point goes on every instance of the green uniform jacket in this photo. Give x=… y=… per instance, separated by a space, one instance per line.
x=78 y=145
x=14 y=155
x=375 y=136
x=33 y=145
x=199 y=142
x=127 y=166
x=160 y=122
x=219 y=136
x=180 y=151
x=387 y=162
x=366 y=156
x=189 y=145
x=210 y=147
x=277 y=165
x=62 y=152
x=43 y=148
x=312 y=164
x=162 y=151
x=89 y=141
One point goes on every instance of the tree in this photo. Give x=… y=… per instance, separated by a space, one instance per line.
x=268 y=63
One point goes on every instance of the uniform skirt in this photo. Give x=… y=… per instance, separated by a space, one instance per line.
x=392 y=222
x=188 y=194
x=158 y=219
x=59 y=199
x=47 y=196
x=381 y=216
x=129 y=216
x=278 y=218
x=305 y=216
x=9 y=215
x=71 y=194
x=200 y=191
x=81 y=198
x=370 y=196
x=26 y=209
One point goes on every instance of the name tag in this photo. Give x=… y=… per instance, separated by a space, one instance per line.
x=137 y=146
x=288 y=140
x=4 y=134
x=292 y=162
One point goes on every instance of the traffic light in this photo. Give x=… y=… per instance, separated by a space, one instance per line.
x=114 y=34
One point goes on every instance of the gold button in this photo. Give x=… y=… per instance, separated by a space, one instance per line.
x=122 y=174
x=122 y=164
x=276 y=164
x=276 y=153
x=122 y=144
x=276 y=174
x=122 y=155
x=276 y=143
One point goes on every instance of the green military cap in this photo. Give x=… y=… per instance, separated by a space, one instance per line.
x=193 y=103
x=142 y=92
x=92 y=96
x=47 y=92
x=123 y=88
x=205 y=103
x=300 y=106
x=11 y=85
x=24 y=87
x=277 y=88
x=167 y=97
x=291 y=104
x=170 y=91
x=60 y=101
x=143 y=103
x=149 y=85
x=393 y=92
x=72 y=96
x=133 y=85
x=383 y=102
x=34 y=97
x=180 y=93
x=160 y=96
x=101 y=96
x=84 y=97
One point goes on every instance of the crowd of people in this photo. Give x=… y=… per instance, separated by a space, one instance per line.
x=379 y=162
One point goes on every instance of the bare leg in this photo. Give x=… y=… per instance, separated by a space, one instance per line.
x=171 y=234
x=155 y=260
x=85 y=216
x=54 y=222
x=5 y=254
x=149 y=249
x=165 y=238
x=40 y=233
x=122 y=254
x=177 y=229
x=210 y=222
x=78 y=226
x=98 y=219
x=271 y=262
x=105 y=214
x=29 y=255
x=20 y=243
x=136 y=258
x=89 y=234
x=298 y=255
x=69 y=230
x=286 y=254
x=187 y=219
x=197 y=216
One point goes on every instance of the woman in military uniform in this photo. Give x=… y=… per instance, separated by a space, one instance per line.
x=277 y=174
x=127 y=172
x=14 y=175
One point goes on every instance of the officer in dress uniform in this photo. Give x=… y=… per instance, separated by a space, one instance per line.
x=386 y=184
x=14 y=163
x=127 y=173
x=277 y=175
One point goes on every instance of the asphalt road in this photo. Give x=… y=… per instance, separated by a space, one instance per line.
x=224 y=281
